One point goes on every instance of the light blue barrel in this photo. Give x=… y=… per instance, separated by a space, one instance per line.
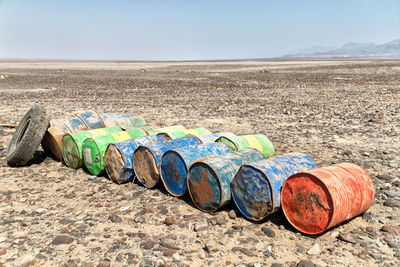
x=118 y=157
x=175 y=164
x=213 y=137
x=146 y=159
x=209 y=180
x=113 y=116
x=74 y=125
x=256 y=188
x=92 y=119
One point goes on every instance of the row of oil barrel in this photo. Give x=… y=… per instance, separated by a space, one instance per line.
x=215 y=168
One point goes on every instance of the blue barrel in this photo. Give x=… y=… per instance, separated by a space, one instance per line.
x=113 y=116
x=92 y=119
x=118 y=157
x=74 y=125
x=256 y=188
x=146 y=159
x=209 y=180
x=175 y=164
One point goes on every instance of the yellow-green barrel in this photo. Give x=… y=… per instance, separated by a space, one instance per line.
x=257 y=141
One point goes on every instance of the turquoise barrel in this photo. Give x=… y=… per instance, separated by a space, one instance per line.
x=209 y=180
x=118 y=157
x=146 y=159
x=113 y=116
x=92 y=119
x=175 y=164
x=256 y=188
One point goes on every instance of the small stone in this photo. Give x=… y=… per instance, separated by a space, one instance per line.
x=305 y=263
x=169 y=243
x=62 y=247
x=347 y=238
x=176 y=257
x=24 y=261
x=276 y=265
x=370 y=229
x=169 y=220
x=201 y=226
x=366 y=238
x=367 y=216
x=114 y=218
x=41 y=210
x=140 y=219
x=232 y=214
x=124 y=208
x=2 y=239
x=393 y=244
x=221 y=220
x=393 y=203
x=314 y=250
x=391 y=229
x=103 y=264
x=268 y=232
x=335 y=234
x=388 y=238
x=62 y=239
x=201 y=255
x=148 y=245
x=3 y=252
x=169 y=252
x=384 y=177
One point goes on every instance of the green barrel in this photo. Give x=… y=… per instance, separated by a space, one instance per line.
x=155 y=130
x=182 y=133
x=125 y=123
x=72 y=144
x=257 y=141
x=94 y=148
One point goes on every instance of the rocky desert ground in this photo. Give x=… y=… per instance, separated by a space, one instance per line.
x=335 y=111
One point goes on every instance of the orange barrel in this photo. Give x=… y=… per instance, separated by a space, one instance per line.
x=319 y=199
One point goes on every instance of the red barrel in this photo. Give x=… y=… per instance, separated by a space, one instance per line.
x=317 y=200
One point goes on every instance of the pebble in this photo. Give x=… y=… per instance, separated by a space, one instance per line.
x=268 y=231
x=24 y=261
x=114 y=218
x=393 y=244
x=385 y=177
x=62 y=239
x=124 y=208
x=393 y=203
x=176 y=257
x=201 y=226
x=347 y=238
x=201 y=255
x=388 y=238
x=2 y=239
x=169 y=220
x=305 y=263
x=391 y=229
x=41 y=210
x=169 y=243
x=314 y=250
x=169 y=252
x=232 y=214
x=3 y=252
x=366 y=238
x=148 y=245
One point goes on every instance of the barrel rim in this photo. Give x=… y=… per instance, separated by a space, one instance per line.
x=219 y=183
x=309 y=173
x=272 y=193
x=72 y=131
x=162 y=177
x=229 y=139
x=118 y=181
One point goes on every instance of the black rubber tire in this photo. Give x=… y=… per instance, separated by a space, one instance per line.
x=27 y=136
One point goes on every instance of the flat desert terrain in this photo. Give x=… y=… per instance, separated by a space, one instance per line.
x=334 y=111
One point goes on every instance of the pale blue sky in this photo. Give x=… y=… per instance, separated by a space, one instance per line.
x=188 y=30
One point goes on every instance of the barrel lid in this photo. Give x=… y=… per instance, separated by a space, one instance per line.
x=114 y=163
x=307 y=203
x=174 y=171
x=71 y=152
x=145 y=166
x=92 y=157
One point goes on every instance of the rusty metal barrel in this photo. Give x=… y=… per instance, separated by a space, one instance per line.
x=209 y=180
x=72 y=145
x=118 y=157
x=257 y=141
x=213 y=137
x=153 y=130
x=180 y=133
x=256 y=188
x=92 y=119
x=146 y=159
x=175 y=164
x=94 y=148
x=319 y=199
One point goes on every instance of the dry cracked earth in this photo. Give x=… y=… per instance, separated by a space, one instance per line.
x=335 y=111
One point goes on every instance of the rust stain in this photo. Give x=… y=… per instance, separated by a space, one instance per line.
x=202 y=191
x=172 y=170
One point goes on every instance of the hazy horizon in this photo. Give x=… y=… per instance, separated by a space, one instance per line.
x=183 y=31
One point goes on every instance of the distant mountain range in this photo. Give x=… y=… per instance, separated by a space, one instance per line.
x=390 y=50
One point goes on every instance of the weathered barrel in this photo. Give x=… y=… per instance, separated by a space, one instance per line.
x=124 y=123
x=180 y=133
x=118 y=157
x=213 y=137
x=146 y=159
x=209 y=180
x=256 y=188
x=257 y=141
x=52 y=139
x=93 y=148
x=112 y=116
x=72 y=145
x=319 y=199
x=175 y=164
x=75 y=125
x=153 y=130
x=92 y=119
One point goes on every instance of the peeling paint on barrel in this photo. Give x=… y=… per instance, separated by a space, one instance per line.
x=256 y=188
x=72 y=145
x=75 y=125
x=111 y=116
x=146 y=159
x=92 y=119
x=214 y=176
x=175 y=163
x=319 y=199
x=118 y=157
